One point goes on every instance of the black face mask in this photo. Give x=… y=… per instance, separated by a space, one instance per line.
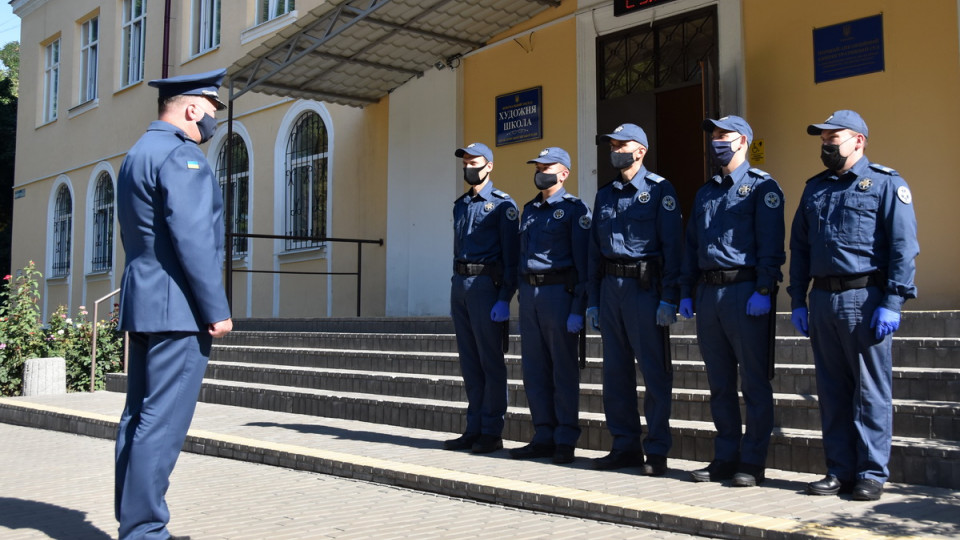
x=831 y=157
x=207 y=126
x=544 y=180
x=621 y=160
x=471 y=175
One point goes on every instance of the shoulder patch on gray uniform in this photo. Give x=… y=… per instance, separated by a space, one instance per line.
x=883 y=169
x=654 y=177
x=584 y=221
x=669 y=203
x=903 y=193
x=772 y=200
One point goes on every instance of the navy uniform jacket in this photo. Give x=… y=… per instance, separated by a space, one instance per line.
x=858 y=223
x=554 y=236
x=737 y=220
x=485 y=232
x=171 y=223
x=637 y=220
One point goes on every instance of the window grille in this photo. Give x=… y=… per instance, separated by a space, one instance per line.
x=239 y=178
x=103 y=205
x=62 y=227
x=306 y=181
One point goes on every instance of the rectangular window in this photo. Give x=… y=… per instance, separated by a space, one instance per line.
x=271 y=9
x=51 y=80
x=134 y=29
x=206 y=25
x=89 y=58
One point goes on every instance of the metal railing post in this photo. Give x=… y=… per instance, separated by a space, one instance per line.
x=93 y=345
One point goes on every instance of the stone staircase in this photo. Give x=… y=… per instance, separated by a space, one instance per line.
x=405 y=372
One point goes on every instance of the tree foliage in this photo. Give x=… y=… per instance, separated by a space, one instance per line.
x=10 y=68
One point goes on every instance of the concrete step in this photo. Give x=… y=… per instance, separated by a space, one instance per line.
x=938 y=384
x=913 y=460
x=912 y=352
x=913 y=324
x=938 y=420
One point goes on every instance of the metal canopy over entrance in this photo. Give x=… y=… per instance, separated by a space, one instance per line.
x=354 y=52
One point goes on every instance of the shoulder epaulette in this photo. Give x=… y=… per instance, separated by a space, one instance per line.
x=822 y=174
x=654 y=177
x=758 y=172
x=883 y=169
x=501 y=194
x=570 y=197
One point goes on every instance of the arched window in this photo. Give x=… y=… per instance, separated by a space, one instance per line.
x=101 y=259
x=305 y=169
x=238 y=213
x=62 y=227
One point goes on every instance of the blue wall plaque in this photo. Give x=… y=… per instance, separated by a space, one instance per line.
x=519 y=116
x=848 y=49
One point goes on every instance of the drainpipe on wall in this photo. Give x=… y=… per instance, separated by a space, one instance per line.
x=166 y=40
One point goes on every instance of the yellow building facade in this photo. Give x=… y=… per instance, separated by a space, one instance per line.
x=389 y=166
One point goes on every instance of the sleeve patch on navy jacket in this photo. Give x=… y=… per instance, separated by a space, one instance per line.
x=669 y=203
x=903 y=193
x=772 y=200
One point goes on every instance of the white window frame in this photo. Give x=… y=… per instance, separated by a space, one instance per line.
x=133 y=41
x=51 y=80
x=89 y=58
x=267 y=10
x=205 y=32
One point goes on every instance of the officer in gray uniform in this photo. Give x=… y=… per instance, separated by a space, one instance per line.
x=855 y=237
x=554 y=234
x=734 y=251
x=634 y=270
x=484 y=280
x=172 y=301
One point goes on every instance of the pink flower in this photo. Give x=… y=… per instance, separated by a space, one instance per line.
x=7 y=277
x=3 y=346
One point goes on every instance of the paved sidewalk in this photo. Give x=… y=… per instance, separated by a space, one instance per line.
x=413 y=458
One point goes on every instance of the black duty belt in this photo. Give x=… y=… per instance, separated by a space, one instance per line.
x=474 y=269
x=550 y=278
x=643 y=271
x=845 y=283
x=726 y=277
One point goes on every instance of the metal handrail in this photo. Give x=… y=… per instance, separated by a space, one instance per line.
x=230 y=269
x=93 y=345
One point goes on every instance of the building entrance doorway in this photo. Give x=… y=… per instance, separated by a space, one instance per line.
x=662 y=78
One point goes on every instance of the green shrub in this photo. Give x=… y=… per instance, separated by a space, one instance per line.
x=23 y=336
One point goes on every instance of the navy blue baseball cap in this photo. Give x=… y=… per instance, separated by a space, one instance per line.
x=204 y=84
x=475 y=149
x=729 y=123
x=553 y=154
x=842 y=119
x=627 y=132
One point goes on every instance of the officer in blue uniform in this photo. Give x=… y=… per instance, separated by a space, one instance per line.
x=554 y=233
x=634 y=271
x=172 y=299
x=734 y=251
x=485 y=244
x=855 y=237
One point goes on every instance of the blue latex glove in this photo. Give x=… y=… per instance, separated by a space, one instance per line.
x=666 y=313
x=800 y=321
x=885 y=321
x=593 y=315
x=686 y=308
x=758 y=304
x=574 y=323
x=500 y=311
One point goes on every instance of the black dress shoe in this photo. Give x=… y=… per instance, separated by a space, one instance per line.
x=867 y=490
x=618 y=459
x=716 y=471
x=486 y=444
x=463 y=442
x=829 y=485
x=656 y=465
x=563 y=454
x=172 y=537
x=748 y=475
x=533 y=451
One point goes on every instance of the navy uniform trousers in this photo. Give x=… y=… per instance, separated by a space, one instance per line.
x=165 y=371
x=479 y=341
x=854 y=373
x=629 y=330
x=726 y=334
x=551 y=369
